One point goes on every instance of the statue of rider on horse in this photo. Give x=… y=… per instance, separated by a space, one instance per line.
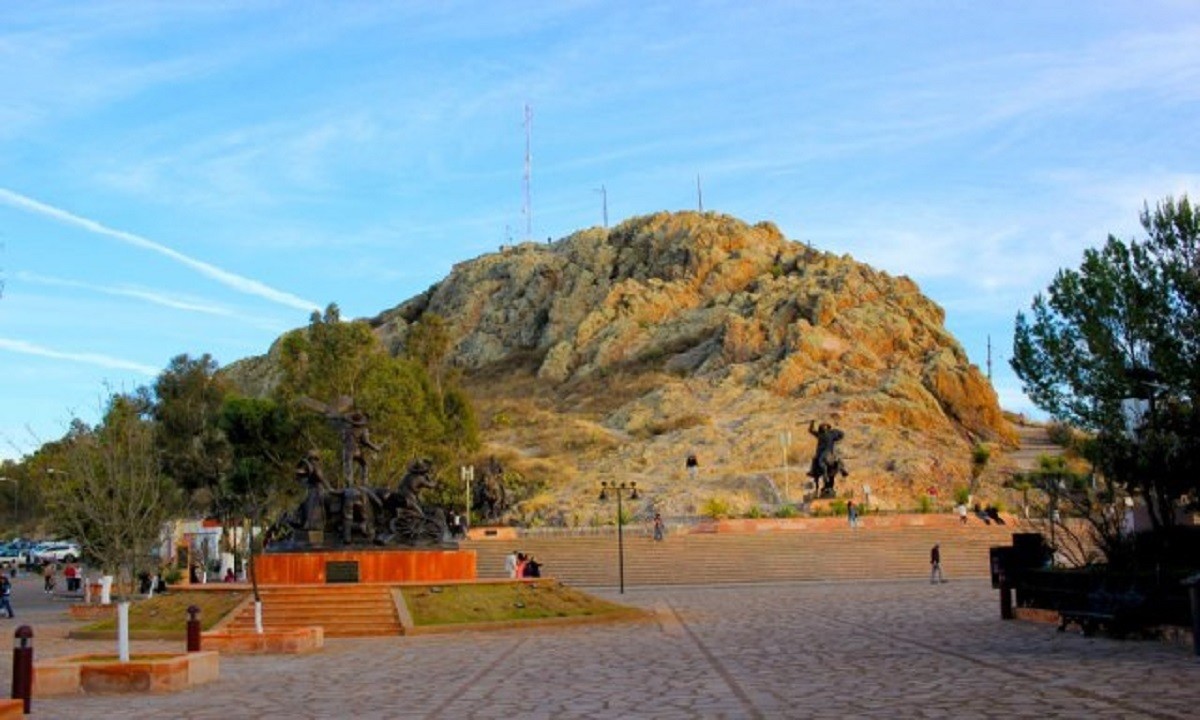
x=827 y=462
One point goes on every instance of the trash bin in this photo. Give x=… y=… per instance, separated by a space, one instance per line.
x=1193 y=585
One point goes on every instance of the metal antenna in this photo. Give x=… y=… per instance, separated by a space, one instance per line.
x=604 y=203
x=989 y=357
x=528 y=209
x=699 y=193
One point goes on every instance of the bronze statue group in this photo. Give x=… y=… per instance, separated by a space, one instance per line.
x=359 y=513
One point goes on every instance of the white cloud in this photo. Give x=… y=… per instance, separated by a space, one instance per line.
x=27 y=348
x=229 y=279
x=155 y=297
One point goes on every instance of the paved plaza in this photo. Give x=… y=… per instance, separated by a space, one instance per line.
x=902 y=649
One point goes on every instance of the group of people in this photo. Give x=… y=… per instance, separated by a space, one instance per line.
x=519 y=565
x=70 y=573
x=49 y=582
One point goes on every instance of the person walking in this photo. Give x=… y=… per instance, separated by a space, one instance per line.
x=510 y=564
x=48 y=579
x=659 y=529
x=6 y=595
x=935 y=565
x=852 y=513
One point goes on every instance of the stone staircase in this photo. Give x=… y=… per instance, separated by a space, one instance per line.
x=882 y=548
x=823 y=550
x=343 y=610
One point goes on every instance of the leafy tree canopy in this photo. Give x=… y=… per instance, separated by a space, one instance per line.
x=189 y=395
x=1126 y=325
x=333 y=364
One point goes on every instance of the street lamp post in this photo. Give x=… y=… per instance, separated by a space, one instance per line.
x=785 y=439
x=467 y=473
x=16 y=497
x=619 y=490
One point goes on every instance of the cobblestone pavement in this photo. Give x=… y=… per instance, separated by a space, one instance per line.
x=812 y=650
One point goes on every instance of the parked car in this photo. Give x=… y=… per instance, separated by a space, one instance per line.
x=11 y=555
x=56 y=552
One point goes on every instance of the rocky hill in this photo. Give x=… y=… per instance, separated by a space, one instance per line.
x=612 y=354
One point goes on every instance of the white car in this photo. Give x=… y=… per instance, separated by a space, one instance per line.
x=11 y=556
x=57 y=552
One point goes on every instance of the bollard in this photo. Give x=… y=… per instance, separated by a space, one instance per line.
x=1006 y=603
x=193 y=629
x=1194 y=592
x=22 y=678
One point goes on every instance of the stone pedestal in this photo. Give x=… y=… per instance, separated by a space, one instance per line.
x=366 y=565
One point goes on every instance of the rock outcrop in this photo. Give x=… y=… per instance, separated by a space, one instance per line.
x=614 y=353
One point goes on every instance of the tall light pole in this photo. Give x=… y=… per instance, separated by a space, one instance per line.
x=785 y=439
x=619 y=490
x=16 y=497
x=467 y=473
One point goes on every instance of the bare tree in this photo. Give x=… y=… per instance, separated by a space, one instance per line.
x=111 y=496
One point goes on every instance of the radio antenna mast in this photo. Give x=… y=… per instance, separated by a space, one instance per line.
x=989 y=357
x=528 y=208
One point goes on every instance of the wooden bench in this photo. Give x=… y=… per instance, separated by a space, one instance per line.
x=1116 y=613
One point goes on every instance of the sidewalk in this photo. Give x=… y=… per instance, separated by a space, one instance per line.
x=894 y=649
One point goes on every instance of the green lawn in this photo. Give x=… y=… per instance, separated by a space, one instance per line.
x=167 y=614
x=504 y=602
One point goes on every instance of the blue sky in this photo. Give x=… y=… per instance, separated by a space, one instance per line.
x=190 y=177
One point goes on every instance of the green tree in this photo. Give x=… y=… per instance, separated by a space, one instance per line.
x=264 y=446
x=1126 y=324
x=189 y=395
x=427 y=344
x=333 y=363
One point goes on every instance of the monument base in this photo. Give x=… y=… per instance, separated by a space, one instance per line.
x=365 y=565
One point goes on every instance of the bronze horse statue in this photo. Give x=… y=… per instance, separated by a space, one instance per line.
x=491 y=497
x=408 y=522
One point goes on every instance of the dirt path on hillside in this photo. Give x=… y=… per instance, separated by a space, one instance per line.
x=1035 y=442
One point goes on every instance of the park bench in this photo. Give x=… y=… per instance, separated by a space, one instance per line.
x=1117 y=613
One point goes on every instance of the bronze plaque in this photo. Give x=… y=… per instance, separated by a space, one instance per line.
x=341 y=571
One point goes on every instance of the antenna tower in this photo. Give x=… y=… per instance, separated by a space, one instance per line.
x=699 y=193
x=604 y=203
x=528 y=208
x=989 y=357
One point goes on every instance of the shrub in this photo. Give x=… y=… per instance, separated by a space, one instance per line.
x=925 y=504
x=1061 y=434
x=754 y=512
x=962 y=495
x=715 y=508
x=838 y=507
x=980 y=455
x=785 y=511
x=673 y=424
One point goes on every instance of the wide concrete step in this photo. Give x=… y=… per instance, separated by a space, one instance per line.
x=827 y=550
x=342 y=610
x=832 y=553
